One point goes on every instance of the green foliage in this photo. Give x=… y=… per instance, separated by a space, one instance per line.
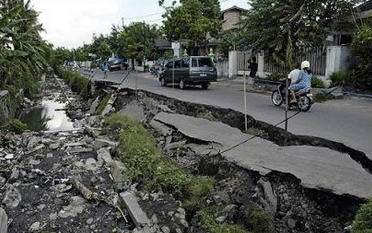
x=23 y=53
x=102 y=104
x=362 y=50
x=193 y=20
x=137 y=41
x=339 y=78
x=317 y=82
x=77 y=82
x=197 y=191
x=285 y=28
x=17 y=126
x=363 y=220
x=147 y=165
x=276 y=76
x=210 y=225
x=259 y=221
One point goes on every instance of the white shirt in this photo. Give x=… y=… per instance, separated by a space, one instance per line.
x=294 y=75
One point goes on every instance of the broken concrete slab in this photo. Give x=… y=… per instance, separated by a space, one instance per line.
x=94 y=106
x=316 y=167
x=3 y=221
x=3 y=93
x=138 y=216
x=266 y=190
x=161 y=128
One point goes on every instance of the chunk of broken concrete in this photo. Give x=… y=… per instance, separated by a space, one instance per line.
x=138 y=216
x=269 y=195
x=76 y=206
x=3 y=221
x=12 y=197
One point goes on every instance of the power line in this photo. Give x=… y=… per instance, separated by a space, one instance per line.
x=257 y=135
x=144 y=16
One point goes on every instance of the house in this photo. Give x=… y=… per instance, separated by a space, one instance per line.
x=232 y=17
x=365 y=10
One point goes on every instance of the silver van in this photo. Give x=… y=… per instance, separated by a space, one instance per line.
x=192 y=71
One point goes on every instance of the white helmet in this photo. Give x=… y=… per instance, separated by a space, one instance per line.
x=305 y=64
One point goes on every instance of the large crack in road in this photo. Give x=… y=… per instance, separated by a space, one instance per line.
x=318 y=162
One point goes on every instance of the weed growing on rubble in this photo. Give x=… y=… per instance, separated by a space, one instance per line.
x=363 y=220
x=210 y=225
x=148 y=166
x=259 y=221
x=17 y=126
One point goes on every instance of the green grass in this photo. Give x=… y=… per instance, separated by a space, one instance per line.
x=259 y=221
x=77 y=82
x=17 y=126
x=363 y=219
x=210 y=225
x=147 y=165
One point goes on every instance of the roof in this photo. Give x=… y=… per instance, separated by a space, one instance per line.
x=233 y=8
x=366 y=6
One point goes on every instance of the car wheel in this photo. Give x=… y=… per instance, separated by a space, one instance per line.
x=205 y=86
x=182 y=85
x=163 y=82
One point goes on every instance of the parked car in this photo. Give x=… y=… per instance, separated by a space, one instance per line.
x=71 y=64
x=194 y=70
x=117 y=63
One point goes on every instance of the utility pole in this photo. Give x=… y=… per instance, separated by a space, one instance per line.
x=245 y=96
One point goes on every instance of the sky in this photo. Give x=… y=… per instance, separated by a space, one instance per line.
x=71 y=23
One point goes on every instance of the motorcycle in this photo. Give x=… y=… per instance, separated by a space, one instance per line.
x=304 y=98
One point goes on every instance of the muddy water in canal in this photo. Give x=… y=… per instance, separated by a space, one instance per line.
x=50 y=115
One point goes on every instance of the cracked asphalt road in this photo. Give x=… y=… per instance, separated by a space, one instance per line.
x=348 y=121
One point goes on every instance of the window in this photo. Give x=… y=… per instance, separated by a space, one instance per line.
x=169 y=65
x=204 y=61
x=194 y=62
x=177 y=64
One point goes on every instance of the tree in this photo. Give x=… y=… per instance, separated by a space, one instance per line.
x=286 y=27
x=193 y=20
x=363 y=219
x=137 y=41
x=22 y=51
x=362 y=50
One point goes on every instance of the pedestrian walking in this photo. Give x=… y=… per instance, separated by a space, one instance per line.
x=253 y=66
x=105 y=70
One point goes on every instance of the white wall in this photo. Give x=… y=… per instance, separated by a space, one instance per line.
x=337 y=59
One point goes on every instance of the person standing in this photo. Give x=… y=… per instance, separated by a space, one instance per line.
x=253 y=66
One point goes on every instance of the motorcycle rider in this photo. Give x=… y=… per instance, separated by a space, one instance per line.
x=303 y=82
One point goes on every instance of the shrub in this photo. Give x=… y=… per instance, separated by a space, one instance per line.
x=210 y=225
x=339 y=78
x=362 y=50
x=276 y=76
x=259 y=221
x=363 y=219
x=199 y=189
x=77 y=82
x=317 y=82
x=147 y=165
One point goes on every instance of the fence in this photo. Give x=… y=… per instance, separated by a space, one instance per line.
x=243 y=58
x=316 y=56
